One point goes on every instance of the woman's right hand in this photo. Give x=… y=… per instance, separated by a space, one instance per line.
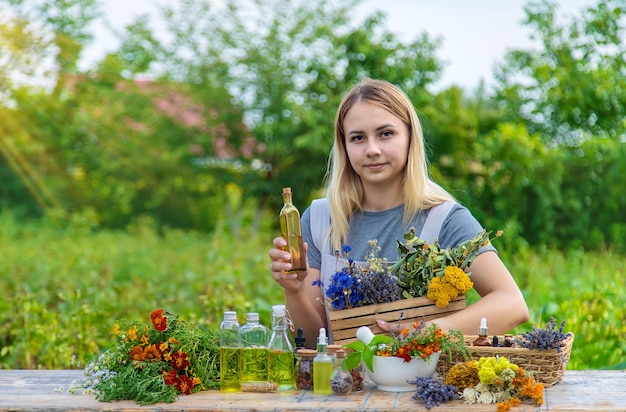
x=281 y=262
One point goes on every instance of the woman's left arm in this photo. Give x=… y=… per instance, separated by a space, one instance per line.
x=501 y=302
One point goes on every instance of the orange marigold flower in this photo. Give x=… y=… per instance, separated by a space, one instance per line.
x=151 y=352
x=196 y=381
x=158 y=320
x=506 y=405
x=116 y=329
x=145 y=340
x=170 y=378
x=184 y=385
x=163 y=347
x=180 y=361
x=136 y=353
x=167 y=356
x=173 y=341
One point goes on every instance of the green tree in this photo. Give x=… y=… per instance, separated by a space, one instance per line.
x=287 y=65
x=571 y=88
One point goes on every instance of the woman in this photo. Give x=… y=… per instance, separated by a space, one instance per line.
x=379 y=187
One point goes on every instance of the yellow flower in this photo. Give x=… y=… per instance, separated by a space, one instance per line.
x=132 y=332
x=463 y=375
x=441 y=292
x=458 y=278
x=116 y=329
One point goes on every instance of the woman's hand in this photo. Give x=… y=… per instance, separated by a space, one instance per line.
x=281 y=262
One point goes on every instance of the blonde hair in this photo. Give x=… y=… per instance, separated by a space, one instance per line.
x=345 y=190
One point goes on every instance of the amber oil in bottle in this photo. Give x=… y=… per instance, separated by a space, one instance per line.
x=482 y=339
x=291 y=231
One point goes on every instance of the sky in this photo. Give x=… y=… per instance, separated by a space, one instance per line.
x=476 y=34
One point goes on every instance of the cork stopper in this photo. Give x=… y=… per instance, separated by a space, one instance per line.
x=286 y=190
x=306 y=353
x=333 y=348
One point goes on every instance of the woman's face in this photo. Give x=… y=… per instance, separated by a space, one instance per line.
x=377 y=143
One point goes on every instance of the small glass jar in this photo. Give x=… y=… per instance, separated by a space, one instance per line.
x=340 y=379
x=332 y=352
x=357 y=374
x=304 y=369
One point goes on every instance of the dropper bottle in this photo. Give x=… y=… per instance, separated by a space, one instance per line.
x=322 y=366
x=483 y=331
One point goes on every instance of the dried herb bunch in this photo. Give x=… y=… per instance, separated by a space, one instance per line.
x=421 y=263
x=544 y=338
x=356 y=284
x=154 y=362
x=433 y=391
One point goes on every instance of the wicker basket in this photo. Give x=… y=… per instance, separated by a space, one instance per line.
x=548 y=365
x=344 y=323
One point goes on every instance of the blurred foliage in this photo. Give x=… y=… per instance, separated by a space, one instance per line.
x=241 y=102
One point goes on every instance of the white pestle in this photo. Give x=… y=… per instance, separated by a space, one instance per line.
x=364 y=334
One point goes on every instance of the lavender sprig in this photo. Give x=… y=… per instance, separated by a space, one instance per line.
x=432 y=391
x=547 y=338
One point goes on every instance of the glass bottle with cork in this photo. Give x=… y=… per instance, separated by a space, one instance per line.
x=291 y=231
x=304 y=368
x=340 y=379
x=230 y=353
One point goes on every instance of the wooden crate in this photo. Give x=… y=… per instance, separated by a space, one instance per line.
x=344 y=323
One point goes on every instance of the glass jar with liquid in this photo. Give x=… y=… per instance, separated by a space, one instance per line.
x=291 y=231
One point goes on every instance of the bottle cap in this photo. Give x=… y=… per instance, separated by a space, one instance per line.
x=300 y=339
x=321 y=339
x=286 y=190
x=483 y=330
x=230 y=315
x=252 y=316
x=279 y=310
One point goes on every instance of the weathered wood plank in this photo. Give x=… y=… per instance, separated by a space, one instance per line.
x=39 y=390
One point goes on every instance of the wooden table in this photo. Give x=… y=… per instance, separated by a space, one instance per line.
x=39 y=390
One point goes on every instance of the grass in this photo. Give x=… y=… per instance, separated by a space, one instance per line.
x=61 y=290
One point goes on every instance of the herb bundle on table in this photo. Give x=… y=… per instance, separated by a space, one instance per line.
x=155 y=362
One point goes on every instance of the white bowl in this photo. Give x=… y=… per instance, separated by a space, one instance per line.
x=392 y=374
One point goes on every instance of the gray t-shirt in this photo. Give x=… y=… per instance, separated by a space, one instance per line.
x=386 y=227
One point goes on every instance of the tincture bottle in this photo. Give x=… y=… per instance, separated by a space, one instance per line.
x=304 y=368
x=300 y=339
x=483 y=331
x=322 y=366
x=281 y=360
x=230 y=354
x=341 y=379
x=291 y=231
x=253 y=337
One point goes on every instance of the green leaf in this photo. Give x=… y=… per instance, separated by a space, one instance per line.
x=378 y=339
x=352 y=361
x=356 y=346
x=368 y=357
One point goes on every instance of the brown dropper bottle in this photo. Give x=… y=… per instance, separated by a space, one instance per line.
x=482 y=339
